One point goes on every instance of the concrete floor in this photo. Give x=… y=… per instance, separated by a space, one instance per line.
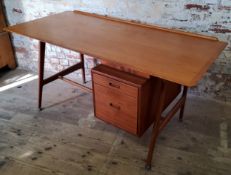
x=65 y=138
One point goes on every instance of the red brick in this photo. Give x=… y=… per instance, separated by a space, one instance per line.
x=197 y=6
x=220 y=30
x=17 y=10
x=224 y=7
x=21 y=50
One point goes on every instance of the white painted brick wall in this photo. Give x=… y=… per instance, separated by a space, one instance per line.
x=210 y=17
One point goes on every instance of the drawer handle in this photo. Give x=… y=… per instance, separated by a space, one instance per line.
x=114 y=85
x=114 y=106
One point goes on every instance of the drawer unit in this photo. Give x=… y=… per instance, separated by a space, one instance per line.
x=126 y=100
x=121 y=99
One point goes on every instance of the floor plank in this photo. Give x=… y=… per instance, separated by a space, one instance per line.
x=66 y=139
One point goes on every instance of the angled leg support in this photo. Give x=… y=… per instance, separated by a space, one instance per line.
x=156 y=126
x=184 y=95
x=60 y=75
x=42 y=49
x=83 y=68
x=161 y=121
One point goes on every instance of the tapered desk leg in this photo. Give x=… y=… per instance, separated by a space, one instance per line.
x=83 y=68
x=156 y=126
x=42 y=48
x=184 y=95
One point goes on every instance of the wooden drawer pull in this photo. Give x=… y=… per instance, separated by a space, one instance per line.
x=114 y=106
x=114 y=85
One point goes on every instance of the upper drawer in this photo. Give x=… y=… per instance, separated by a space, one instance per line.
x=115 y=85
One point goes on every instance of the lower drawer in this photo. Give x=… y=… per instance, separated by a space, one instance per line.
x=116 y=108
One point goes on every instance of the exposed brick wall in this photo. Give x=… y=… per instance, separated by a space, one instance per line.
x=210 y=17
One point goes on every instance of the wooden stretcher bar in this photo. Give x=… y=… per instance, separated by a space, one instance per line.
x=85 y=88
x=59 y=75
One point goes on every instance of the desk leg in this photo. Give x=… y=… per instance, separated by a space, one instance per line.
x=156 y=126
x=83 y=68
x=184 y=95
x=42 y=48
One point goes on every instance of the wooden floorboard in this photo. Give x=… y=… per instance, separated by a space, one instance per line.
x=66 y=139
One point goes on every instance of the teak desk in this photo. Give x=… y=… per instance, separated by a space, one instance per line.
x=170 y=55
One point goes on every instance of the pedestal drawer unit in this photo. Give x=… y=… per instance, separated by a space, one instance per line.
x=121 y=99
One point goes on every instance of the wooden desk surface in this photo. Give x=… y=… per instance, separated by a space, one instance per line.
x=173 y=56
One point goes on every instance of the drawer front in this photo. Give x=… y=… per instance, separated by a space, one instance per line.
x=115 y=85
x=116 y=108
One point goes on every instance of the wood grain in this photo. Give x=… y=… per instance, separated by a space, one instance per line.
x=174 y=56
x=178 y=31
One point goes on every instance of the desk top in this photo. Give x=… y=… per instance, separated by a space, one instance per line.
x=172 y=55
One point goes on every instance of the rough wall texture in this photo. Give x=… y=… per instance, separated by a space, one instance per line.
x=210 y=17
